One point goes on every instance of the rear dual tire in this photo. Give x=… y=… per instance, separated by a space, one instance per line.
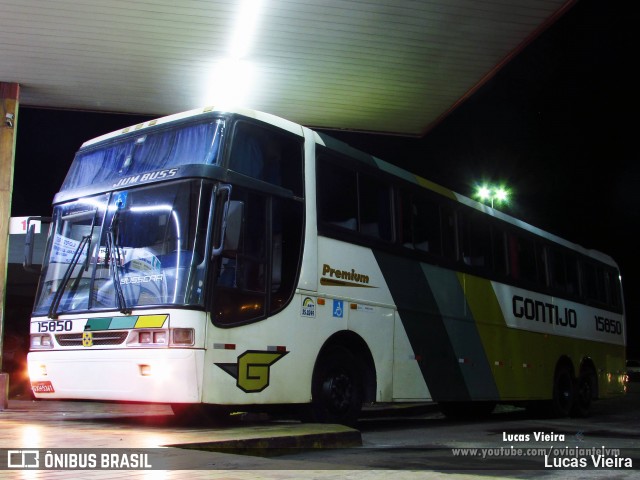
x=572 y=397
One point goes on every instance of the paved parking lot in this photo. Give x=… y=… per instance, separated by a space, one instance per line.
x=102 y=427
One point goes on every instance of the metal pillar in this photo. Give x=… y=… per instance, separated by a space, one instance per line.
x=9 y=93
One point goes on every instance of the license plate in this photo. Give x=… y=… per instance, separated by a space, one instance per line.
x=42 y=387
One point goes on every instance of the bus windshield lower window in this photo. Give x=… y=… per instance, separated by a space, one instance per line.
x=131 y=248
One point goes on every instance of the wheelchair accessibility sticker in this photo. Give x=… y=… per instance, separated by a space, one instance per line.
x=338 y=308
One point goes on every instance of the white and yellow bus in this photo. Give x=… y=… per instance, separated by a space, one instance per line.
x=238 y=260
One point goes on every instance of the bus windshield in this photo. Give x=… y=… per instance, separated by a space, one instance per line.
x=130 y=248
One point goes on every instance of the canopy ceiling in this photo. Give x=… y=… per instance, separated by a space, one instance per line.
x=393 y=66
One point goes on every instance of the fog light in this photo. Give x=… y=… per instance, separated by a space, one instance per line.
x=145 y=370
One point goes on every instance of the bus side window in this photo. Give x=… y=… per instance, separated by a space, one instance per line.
x=374 y=208
x=597 y=281
x=475 y=241
x=449 y=233
x=614 y=296
x=499 y=251
x=242 y=268
x=286 y=245
x=419 y=227
x=247 y=156
x=555 y=268
x=522 y=258
x=262 y=153
x=337 y=195
x=573 y=276
x=427 y=226
x=562 y=269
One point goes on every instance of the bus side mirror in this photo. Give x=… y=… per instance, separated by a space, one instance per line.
x=228 y=236
x=29 y=242
x=234 y=225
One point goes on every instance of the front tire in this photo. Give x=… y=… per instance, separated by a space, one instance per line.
x=336 y=390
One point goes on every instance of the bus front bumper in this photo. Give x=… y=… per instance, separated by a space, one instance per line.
x=144 y=375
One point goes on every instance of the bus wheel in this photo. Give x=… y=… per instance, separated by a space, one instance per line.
x=563 y=392
x=336 y=389
x=583 y=396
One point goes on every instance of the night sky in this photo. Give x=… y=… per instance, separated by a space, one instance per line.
x=557 y=125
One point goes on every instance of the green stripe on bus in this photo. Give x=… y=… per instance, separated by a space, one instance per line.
x=98 y=323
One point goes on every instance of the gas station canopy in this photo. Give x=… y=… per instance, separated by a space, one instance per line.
x=393 y=66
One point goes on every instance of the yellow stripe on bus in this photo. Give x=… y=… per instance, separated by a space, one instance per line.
x=151 y=321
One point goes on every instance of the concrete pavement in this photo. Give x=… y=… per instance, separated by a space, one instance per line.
x=181 y=450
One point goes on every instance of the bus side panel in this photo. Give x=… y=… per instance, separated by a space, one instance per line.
x=375 y=324
x=542 y=329
x=408 y=384
x=522 y=363
x=355 y=290
x=467 y=349
x=270 y=361
x=440 y=329
x=524 y=358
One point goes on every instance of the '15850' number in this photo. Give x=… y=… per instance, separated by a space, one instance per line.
x=608 y=325
x=55 y=326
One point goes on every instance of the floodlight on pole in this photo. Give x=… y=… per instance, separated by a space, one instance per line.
x=492 y=195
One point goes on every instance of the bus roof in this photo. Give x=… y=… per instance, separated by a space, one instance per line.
x=265 y=117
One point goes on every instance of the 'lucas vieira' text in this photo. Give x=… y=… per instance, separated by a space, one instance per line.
x=537 y=436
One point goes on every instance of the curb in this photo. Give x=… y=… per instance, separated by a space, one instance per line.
x=278 y=445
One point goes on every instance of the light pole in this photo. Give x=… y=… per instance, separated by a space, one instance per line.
x=491 y=194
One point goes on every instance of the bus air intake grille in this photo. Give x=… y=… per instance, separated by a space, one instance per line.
x=99 y=338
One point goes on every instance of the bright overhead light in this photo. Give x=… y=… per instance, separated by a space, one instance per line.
x=230 y=83
x=492 y=194
x=245 y=29
x=233 y=78
x=501 y=194
x=484 y=193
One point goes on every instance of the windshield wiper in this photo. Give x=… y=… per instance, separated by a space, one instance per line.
x=67 y=276
x=113 y=258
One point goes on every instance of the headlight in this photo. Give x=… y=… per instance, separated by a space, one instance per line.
x=162 y=338
x=182 y=336
x=148 y=337
x=144 y=337
x=40 y=341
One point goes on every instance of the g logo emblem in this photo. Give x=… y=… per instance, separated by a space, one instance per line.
x=253 y=369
